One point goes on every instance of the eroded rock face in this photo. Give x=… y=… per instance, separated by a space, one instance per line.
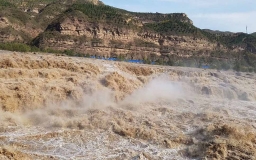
x=95 y=2
x=108 y=40
x=77 y=27
x=131 y=36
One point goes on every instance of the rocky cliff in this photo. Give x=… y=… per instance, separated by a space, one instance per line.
x=88 y=27
x=108 y=40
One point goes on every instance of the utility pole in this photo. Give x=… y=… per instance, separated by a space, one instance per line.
x=246 y=30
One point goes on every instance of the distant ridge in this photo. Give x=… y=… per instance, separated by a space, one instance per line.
x=93 y=29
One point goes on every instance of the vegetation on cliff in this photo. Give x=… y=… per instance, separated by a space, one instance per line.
x=173 y=28
x=254 y=34
x=86 y=27
x=101 y=13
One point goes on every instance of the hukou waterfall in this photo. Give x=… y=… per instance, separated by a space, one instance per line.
x=59 y=107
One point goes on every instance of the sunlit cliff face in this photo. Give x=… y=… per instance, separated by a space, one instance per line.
x=62 y=108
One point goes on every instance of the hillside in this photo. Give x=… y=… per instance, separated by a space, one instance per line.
x=91 y=28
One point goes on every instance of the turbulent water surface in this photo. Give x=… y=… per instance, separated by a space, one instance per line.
x=55 y=107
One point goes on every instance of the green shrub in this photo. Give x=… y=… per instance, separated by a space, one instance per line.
x=4 y=3
x=121 y=57
x=50 y=50
x=101 y=13
x=69 y=52
x=173 y=27
x=87 y=55
x=19 y=47
x=225 y=66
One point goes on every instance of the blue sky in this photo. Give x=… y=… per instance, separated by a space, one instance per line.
x=223 y=15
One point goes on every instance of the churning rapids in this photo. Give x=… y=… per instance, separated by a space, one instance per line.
x=57 y=107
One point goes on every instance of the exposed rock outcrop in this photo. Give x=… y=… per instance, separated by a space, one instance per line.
x=107 y=40
x=90 y=28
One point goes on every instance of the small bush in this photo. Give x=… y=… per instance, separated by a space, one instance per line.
x=4 y=3
x=225 y=66
x=69 y=52
x=19 y=47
